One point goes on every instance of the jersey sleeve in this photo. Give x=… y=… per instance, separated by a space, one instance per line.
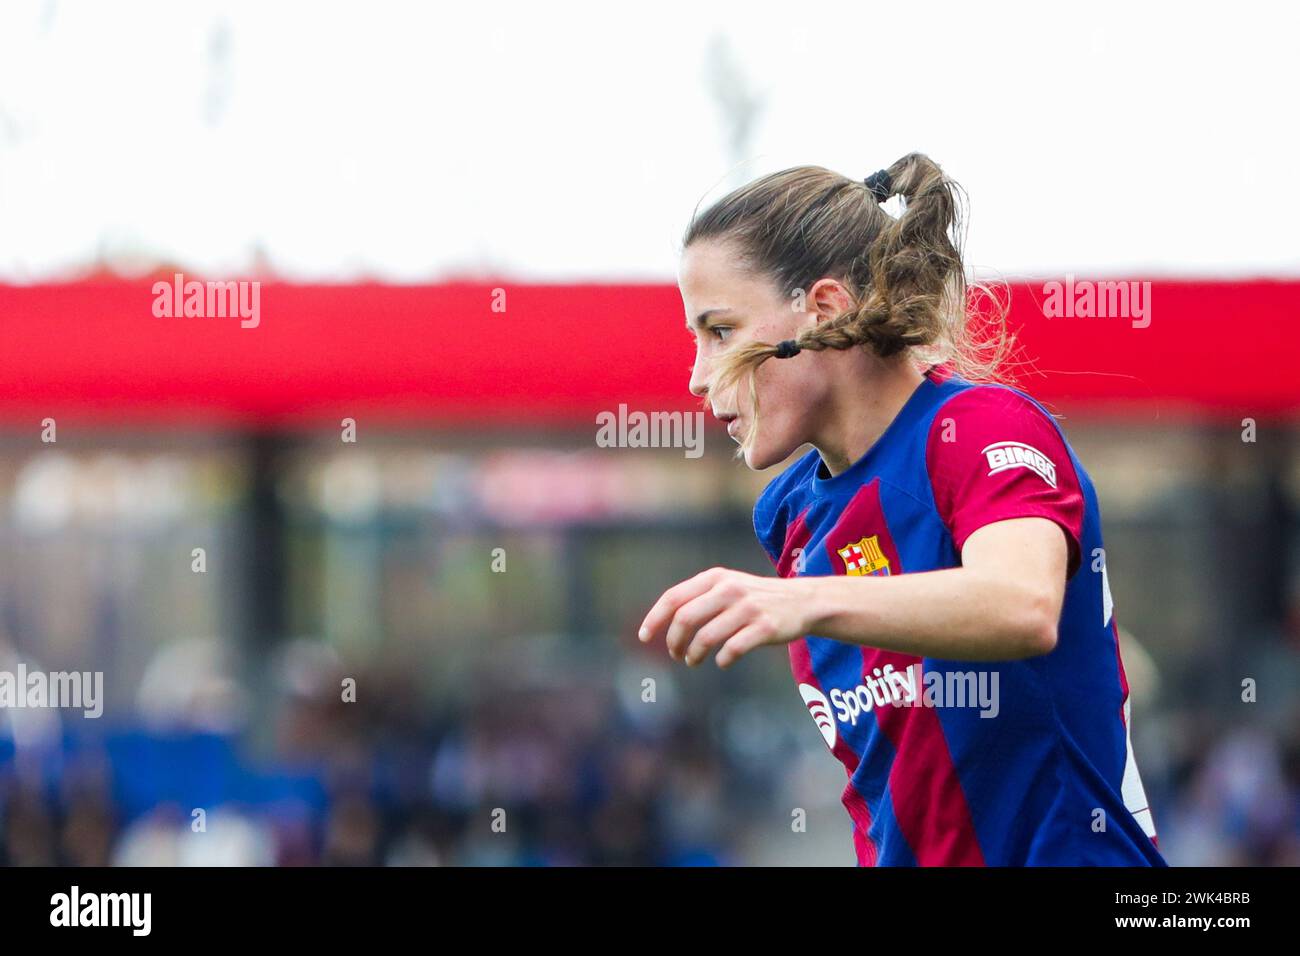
x=992 y=455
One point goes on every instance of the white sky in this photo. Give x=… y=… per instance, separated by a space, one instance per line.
x=553 y=141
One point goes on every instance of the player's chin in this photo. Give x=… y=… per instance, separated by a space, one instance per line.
x=763 y=453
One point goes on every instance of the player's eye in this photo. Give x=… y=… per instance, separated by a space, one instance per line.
x=720 y=332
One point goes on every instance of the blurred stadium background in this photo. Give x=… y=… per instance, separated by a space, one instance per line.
x=463 y=224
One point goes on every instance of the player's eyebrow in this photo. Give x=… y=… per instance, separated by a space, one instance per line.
x=702 y=320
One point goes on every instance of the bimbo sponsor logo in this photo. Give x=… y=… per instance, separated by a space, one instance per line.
x=1005 y=455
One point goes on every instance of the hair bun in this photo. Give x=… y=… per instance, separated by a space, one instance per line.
x=881 y=184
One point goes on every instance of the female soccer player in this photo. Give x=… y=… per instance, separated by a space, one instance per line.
x=942 y=587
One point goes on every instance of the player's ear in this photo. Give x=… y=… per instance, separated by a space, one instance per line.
x=828 y=299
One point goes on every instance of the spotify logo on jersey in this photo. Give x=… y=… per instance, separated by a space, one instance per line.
x=820 y=708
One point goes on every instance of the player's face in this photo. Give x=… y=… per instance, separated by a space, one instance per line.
x=737 y=307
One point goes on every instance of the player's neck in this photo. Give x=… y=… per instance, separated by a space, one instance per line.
x=861 y=409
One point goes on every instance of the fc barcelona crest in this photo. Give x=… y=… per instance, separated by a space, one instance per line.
x=865 y=557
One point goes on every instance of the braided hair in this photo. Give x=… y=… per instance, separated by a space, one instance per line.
x=905 y=273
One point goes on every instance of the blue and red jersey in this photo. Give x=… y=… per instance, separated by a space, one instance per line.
x=963 y=763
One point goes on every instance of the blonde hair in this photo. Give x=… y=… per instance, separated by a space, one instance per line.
x=906 y=274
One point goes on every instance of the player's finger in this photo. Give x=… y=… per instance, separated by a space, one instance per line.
x=741 y=643
x=715 y=633
x=692 y=616
x=661 y=614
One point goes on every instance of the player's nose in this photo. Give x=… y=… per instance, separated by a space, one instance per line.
x=699 y=384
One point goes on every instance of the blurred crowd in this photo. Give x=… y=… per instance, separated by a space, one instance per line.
x=526 y=770
x=520 y=775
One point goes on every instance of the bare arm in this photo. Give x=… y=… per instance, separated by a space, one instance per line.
x=1003 y=603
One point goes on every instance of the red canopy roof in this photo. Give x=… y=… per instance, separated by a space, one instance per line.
x=94 y=351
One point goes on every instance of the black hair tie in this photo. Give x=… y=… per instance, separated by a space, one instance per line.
x=881 y=184
x=787 y=349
